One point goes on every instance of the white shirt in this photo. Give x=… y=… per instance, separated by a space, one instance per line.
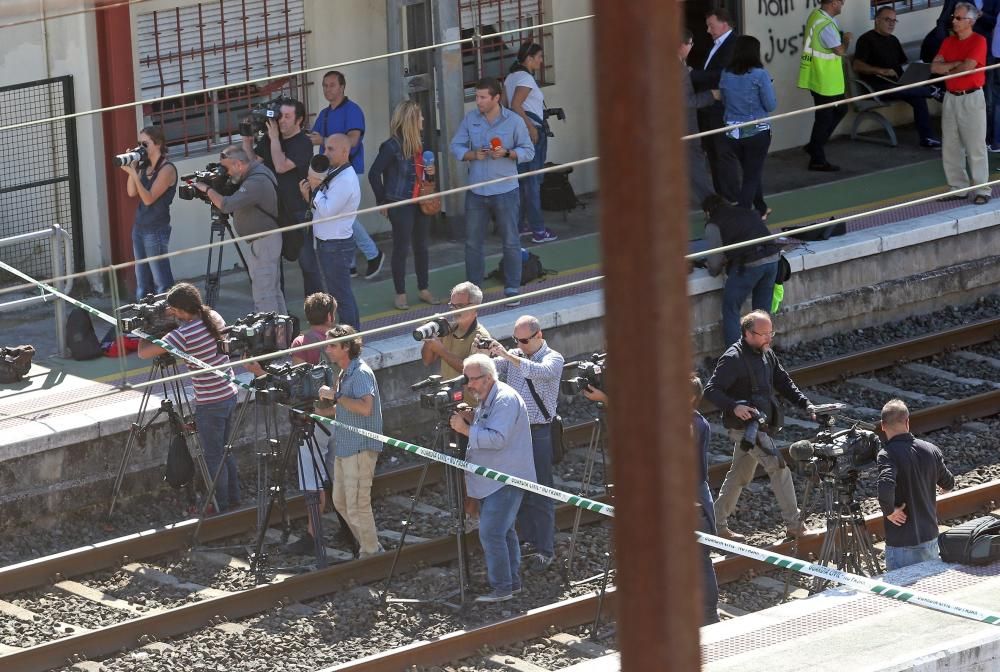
x=718 y=43
x=535 y=102
x=343 y=194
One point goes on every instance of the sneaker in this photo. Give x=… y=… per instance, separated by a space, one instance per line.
x=823 y=167
x=538 y=562
x=494 y=596
x=513 y=301
x=516 y=590
x=937 y=93
x=375 y=265
x=305 y=545
x=362 y=555
x=726 y=533
x=524 y=233
x=546 y=236
x=993 y=147
x=354 y=271
x=934 y=143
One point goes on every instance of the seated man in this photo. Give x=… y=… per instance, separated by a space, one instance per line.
x=879 y=61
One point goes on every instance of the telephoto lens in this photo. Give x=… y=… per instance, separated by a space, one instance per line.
x=138 y=154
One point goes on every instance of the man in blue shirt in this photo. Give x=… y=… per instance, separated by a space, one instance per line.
x=499 y=438
x=345 y=116
x=493 y=140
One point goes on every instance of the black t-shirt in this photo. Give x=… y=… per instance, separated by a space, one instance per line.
x=880 y=51
x=299 y=150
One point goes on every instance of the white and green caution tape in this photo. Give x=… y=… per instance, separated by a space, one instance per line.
x=859 y=583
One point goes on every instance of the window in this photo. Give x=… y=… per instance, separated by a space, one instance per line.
x=211 y=44
x=904 y=6
x=494 y=55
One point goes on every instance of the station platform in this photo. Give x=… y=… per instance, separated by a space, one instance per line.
x=840 y=630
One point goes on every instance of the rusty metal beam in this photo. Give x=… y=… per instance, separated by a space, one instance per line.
x=644 y=230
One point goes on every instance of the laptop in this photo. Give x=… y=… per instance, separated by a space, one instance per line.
x=913 y=74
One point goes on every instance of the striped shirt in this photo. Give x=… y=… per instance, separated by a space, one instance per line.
x=544 y=368
x=357 y=381
x=195 y=339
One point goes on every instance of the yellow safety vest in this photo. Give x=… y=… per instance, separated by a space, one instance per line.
x=820 y=69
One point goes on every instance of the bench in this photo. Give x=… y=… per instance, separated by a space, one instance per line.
x=868 y=108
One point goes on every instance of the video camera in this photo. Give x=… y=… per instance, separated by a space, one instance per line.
x=215 y=176
x=438 y=326
x=258 y=334
x=590 y=372
x=841 y=455
x=296 y=385
x=255 y=124
x=137 y=154
x=149 y=314
x=445 y=396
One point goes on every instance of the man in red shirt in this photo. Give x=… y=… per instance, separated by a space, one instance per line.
x=963 y=120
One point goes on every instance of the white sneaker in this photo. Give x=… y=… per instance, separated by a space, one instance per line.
x=493 y=596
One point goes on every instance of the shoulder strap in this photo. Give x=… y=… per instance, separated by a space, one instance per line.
x=538 y=400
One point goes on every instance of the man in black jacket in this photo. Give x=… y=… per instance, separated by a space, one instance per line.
x=750 y=271
x=721 y=158
x=908 y=471
x=699 y=183
x=743 y=386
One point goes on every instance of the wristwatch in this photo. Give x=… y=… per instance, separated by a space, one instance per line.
x=507 y=153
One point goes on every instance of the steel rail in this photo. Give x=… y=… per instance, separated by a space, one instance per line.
x=582 y=610
x=190 y=617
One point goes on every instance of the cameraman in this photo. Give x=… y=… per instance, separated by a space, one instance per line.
x=254 y=208
x=533 y=370
x=287 y=153
x=154 y=183
x=742 y=386
x=908 y=470
x=198 y=334
x=452 y=349
x=356 y=402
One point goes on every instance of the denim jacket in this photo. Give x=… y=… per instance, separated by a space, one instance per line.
x=391 y=175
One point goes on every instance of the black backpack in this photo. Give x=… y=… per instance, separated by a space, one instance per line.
x=976 y=542
x=531 y=270
x=81 y=337
x=557 y=193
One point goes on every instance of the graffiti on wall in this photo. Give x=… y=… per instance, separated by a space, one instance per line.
x=784 y=32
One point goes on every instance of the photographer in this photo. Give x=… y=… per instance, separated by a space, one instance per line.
x=287 y=153
x=154 y=182
x=533 y=371
x=743 y=387
x=254 y=208
x=452 y=349
x=356 y=402
x=499 y=438
x=908 y=471
x=198 y=335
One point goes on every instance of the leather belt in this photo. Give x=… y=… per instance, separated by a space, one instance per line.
x=966 y=91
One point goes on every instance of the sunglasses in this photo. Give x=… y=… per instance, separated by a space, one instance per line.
x=525 y=341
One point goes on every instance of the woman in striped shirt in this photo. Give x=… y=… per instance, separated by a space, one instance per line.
x=215 y=397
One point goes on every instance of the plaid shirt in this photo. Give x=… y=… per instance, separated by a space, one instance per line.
x=356 y=382
x=544 y=368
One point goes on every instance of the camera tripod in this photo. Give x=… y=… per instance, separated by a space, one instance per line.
x=175 y=405
x=605 y=576
x=455 y=489
x=213 y=278
x=596 y=436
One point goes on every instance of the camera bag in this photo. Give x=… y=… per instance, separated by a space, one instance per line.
x=15 y=363
x=531 y=269
x=976 y=542
x=555 y=424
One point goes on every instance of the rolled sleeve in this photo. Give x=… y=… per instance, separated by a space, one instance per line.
x=462 y=142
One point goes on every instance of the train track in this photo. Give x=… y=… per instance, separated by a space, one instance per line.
x=172 y=622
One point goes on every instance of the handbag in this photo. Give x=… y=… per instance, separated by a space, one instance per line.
x=431 y=206
x=555 y=424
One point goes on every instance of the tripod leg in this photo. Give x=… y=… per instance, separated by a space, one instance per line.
x=456 y=497
x=312 y=508
x=246 y=267
x=601 y=594
x=213 y=278
x=138 y=427
x=402 y=537
x=588 y=474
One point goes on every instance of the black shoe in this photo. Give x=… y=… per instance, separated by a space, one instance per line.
x=375 y=265
x=354 y=271
x=306 y=545
x=538 y=562
x=823 y=167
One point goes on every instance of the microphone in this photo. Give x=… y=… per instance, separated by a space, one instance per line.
x=495 y=143
x=428 y=158
x=801 y=450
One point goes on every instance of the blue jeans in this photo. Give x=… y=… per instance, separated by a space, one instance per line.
x=496 y=533
x=741 y=282
x=154 y=277
x=530 y=188
x=214 y=424
x=504 y=208
x=536 y=519
x=312 y=279
x=901 y=556
x=363 y=241
x=335 y=258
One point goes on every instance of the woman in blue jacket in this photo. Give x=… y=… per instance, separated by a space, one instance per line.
x=747 y=94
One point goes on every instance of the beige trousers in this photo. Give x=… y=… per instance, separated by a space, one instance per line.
x=352 y=496
x=963 y=141
x=741 y=473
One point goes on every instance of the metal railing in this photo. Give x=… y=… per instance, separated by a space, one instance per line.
x=62 y=264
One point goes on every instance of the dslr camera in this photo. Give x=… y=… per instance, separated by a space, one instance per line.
x=148 y=314
x=438 y=326
x=589 y=372
x=214 y=175
x=443 y=396
x=258 y=334
x=129 y=155
x=296 y=385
